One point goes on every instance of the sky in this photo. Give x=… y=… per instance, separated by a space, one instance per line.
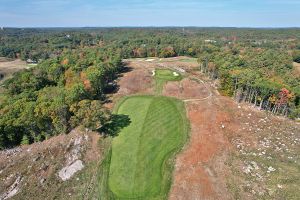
x=114 y=13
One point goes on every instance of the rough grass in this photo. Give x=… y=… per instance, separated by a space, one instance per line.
x=186 y=59
x=278 y=148
x=101 y=190
x=8 y=67
x=42 y=161
x=140 y=163
x=162 y=76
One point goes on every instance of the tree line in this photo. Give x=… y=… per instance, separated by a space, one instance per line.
x=77 y=68
x=265 y=78
x=57 y=95
x=40 y=44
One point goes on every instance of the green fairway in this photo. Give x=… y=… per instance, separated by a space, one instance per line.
x=141 y=166
x=164 y=75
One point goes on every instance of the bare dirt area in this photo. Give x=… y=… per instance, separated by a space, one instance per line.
x=237 y=152
x=233 y=149
x=181 y=62
x=59 y=168
x=8 y=67
x=186 y=89
x=200 y=169
x=138 y=80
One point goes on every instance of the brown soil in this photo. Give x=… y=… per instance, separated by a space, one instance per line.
x=186 y=89
x=138 y=80
x=204 y=169
x=200 y=169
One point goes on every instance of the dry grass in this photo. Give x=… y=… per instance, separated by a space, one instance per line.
x=264 y=160
x=8 y=67
x=38 y=166
x=297 y=68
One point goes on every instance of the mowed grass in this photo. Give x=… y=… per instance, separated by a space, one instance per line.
x=141 y=160
x=164 y=75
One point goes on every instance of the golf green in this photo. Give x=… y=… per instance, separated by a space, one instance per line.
x=141 y=166
x=162 y=76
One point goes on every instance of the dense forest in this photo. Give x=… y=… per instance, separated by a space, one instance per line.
x=263 y=77
x=77 y=68
x=58 y=95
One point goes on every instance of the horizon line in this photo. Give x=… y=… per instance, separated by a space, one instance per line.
x=73 y=27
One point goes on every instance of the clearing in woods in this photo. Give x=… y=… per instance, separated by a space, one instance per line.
x=297 y=67
x=141 y=159
x=8 y=67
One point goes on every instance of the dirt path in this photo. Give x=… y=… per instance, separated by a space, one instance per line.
x=200 y=169
x=203 y=98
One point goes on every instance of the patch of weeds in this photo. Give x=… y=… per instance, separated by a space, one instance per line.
x=233 y=188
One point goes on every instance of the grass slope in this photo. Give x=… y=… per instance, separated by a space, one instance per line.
x=140 y=166
x=162 y=76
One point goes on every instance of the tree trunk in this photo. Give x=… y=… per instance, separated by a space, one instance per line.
x=261 y=103
x=255 y=99
x=245 y=94
x=235 y=86
x=251 y=95
x=284 y=110
x=268 y=107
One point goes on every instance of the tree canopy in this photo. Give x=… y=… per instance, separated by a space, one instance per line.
x=77 y=66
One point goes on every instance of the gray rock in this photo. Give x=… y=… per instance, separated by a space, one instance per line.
x=67 y=172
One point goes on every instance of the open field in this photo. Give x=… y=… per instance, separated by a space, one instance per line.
x=140 y=163
x=182 y=62
x=297 y=68
x=8 y=67
x=297 y=65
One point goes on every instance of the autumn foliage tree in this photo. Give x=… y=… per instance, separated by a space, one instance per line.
x=89 y=113
x=262 y=77
x=56 y=96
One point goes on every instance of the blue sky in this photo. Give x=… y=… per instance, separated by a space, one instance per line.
x=74 y=13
